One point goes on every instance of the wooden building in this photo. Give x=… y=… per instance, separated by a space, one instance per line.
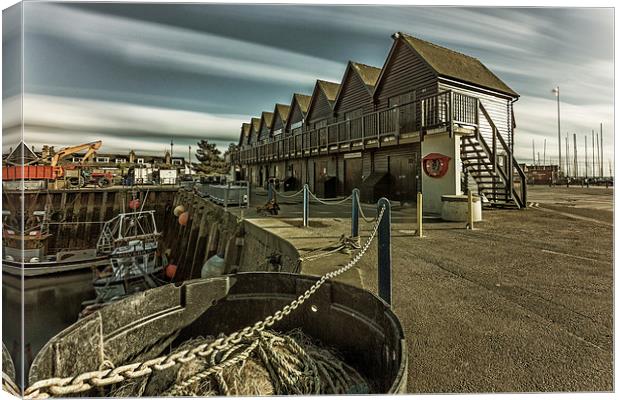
x=368 y=131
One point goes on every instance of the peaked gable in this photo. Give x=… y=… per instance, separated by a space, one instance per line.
x=245 y=132
x=254 y=130
x=266 y=120
x=451 y=64
x=322 y=102
x=297 y=109
x=280 y=114
x=357 y=87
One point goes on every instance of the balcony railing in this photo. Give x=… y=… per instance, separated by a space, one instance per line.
x=442 y=110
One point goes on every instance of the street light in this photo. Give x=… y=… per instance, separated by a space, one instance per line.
x=556 y=91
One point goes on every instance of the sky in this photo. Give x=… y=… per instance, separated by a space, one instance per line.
x=137 y=75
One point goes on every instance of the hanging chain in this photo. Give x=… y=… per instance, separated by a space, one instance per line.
x=86 y=381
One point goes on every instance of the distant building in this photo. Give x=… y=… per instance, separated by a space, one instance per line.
x=541 y=174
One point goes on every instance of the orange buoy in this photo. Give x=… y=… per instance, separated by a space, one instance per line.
x=184 y=218
x=134 y=204
x=170 y=271
x=178 y=210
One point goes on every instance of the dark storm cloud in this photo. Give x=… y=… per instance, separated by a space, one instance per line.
x=125 y=66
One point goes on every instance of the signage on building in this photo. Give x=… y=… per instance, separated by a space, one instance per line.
x=353 y=155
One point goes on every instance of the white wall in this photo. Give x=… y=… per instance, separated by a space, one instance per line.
x=450 y=183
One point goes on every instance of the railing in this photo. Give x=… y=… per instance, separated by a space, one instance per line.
x=444 y=109
x=516 y=184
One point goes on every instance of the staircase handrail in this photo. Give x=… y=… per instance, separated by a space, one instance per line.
x=507 y=176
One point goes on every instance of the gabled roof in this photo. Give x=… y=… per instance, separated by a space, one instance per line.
x=451 y=64
x=329 y=89
x=266 y=119
x=21 y=155
x=245 y=132
x=368 y=74
x=282 y=110
x=303 y=100
x=254 y=126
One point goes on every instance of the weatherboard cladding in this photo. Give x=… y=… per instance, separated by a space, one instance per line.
x=404 y=72
x=323 y=98
x=298 y=111
x=498 y=107
x=265 y=125
x=279 y=118
x=354 y=94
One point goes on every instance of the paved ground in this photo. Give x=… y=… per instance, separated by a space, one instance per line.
x=522 y=304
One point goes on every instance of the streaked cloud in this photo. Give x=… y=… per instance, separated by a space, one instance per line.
x=64 y=121
x=114 y=70
x=175 y=49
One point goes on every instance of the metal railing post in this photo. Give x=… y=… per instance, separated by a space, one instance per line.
x=355 y=217
x=470 y=211
x=419 y=215
x=306 y=205
x=227 y=192
x=385 y=251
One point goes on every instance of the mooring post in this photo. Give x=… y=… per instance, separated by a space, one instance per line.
x=470 y=210
x=355 y=213
x=419 y=215
x=385 y=251
x=306 y=205
x=226 y=196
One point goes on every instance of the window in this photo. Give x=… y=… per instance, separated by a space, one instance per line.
x=297 y=124
x=177 y=162
x=75 y=159
x=102 y=159
x=277 y=131
x=140 y=160
x=120 y=160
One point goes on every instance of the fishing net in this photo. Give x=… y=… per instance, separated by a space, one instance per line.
x=266 y=363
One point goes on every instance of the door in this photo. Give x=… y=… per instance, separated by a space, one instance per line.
x=403 y=177
x=352 y=174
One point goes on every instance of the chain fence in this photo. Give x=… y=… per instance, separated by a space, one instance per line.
x=105 y=377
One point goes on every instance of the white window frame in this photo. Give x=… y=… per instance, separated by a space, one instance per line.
x=177 y=161
x=140 y=161
x=102 y=159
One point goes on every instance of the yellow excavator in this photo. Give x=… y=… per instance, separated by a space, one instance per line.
x=91 y=148
x=78 y=176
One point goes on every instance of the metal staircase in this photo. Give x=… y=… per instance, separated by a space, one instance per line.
x=497 y=174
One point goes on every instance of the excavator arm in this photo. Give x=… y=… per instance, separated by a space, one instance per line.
x=91 y=148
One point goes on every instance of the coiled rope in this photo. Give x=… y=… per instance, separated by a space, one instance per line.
x=101 y=378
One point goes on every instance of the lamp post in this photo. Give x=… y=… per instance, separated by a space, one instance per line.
x=556 y=91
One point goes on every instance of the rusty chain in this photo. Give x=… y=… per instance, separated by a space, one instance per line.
x=46 y=388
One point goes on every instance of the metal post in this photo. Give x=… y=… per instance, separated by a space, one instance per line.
x=269 y=191
x=306 y=205
x=226 y=194
x=355 y=213
x=556 y=90
x=385 y=251
x=470 y=211
x=420 y=216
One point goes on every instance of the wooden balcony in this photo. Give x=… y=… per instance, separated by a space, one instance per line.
x=408 y=122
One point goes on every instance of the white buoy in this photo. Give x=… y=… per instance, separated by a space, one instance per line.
x=178 y=210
